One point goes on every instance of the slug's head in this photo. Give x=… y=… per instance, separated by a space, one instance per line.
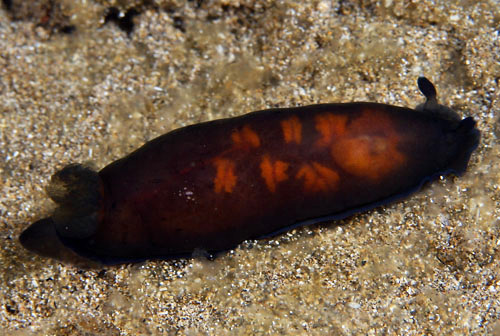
x=77 y=190
x=461 y=135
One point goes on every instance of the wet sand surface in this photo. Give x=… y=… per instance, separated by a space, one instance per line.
x=75 y=87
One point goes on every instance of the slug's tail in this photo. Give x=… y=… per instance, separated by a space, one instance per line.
x=77 y=191
x=41 y=238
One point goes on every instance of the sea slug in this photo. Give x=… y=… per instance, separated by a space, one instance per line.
x=212 y=185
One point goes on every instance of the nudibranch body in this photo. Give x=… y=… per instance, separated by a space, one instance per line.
x=213 y=185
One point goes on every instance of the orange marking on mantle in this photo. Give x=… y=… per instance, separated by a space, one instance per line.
x=245 y=138
x=225 y=179
x=292 y=130
x=370 y=147
x=273 y=172
x=318 y=177
x=330 y=126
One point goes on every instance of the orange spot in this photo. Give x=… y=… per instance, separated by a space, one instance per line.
x=245 y=138
x=280 y=168
x=330 y=126
x=273 y=172
x=225 y=179
x=370 y=147
x=318 y=177
x=292 y=130
x=367 y=156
